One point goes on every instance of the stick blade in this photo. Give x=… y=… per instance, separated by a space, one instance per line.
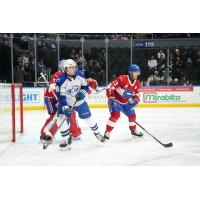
x=168 y=145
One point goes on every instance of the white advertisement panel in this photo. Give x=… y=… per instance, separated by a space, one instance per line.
x=150 y=97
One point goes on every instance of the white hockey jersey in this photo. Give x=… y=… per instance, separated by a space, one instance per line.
x=67 y=89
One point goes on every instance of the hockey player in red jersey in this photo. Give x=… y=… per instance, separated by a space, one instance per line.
x=123 y=95
x=51 y=102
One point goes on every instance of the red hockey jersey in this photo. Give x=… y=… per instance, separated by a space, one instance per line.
x=120 y=85
x=52 y=85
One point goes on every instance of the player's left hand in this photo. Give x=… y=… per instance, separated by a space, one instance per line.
x=80 y=95
x=67 y=111
x=133 y=102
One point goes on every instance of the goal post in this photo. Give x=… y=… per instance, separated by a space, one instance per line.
x=11 y=111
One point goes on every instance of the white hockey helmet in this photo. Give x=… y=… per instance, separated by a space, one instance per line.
x=69 y=63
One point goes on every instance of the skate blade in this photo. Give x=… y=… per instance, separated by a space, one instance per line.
x=65 y=148
x=134 y=136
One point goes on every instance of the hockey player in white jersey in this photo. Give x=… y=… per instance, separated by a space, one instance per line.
x=71 y=88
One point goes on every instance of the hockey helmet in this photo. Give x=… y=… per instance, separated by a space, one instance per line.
x=134 y=69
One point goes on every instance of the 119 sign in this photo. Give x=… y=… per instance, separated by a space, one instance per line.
x=145 y=44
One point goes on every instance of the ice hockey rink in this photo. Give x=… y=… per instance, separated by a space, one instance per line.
x=181 y=126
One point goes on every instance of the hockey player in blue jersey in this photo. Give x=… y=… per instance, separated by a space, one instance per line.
x=71 y=88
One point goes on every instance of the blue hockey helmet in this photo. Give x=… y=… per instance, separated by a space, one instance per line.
x=134 y=68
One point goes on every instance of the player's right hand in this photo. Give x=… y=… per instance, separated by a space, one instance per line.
x=52 y=87
x=67 y=111
x=112 y=101
x=80 y=95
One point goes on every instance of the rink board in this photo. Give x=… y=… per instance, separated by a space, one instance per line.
x=168 y=96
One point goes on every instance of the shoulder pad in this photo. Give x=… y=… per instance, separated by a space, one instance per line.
x=79 y=73
x=61 y=79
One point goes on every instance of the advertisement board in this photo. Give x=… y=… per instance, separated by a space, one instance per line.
x=168 y=96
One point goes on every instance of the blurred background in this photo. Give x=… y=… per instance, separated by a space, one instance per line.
x=164 y=58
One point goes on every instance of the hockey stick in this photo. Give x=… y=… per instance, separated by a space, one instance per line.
x=45 y=80
x=165 y=145
x=47 y=143
x=97 y=91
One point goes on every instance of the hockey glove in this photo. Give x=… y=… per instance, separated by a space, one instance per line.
x=133 y=102
x=112 y=101
x=127 y=93
x=67 y=111
x=52 y=87
x=80 y=95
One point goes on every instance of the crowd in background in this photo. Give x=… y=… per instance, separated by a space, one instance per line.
x=23 y=56
x=184 y=63
x=184 y=68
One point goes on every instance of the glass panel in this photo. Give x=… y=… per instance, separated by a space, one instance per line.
x=119 y=58
x=185 y=66
x=47 y=56
x=5 y=58
x=184 y=71
x=153 y=65
x=71 y=49
x=95 y=60
x=22 y=58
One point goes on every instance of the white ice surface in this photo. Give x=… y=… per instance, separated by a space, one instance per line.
x=178 y=125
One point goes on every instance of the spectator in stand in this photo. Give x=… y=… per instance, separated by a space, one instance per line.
x=89 y=56
x=26 y=62
x=6 y=40
x=24 y=41
x=164 y=78
x=170 y=66
x=177 y=71
x=115 y=36
x=102 y=56
x=177 y=53
x=161 y=62
x=188 y=58
x=20 y=59
x=19 y=74
x=175 y=82
x=73 y=55
x=144 y=83
x=25 y=59
x=96 y=71
x=188 y=83
x=41 y=68
x=197 y=58
x=125 y=36
x=97 y=67
x=53 y=47
x=31 y=59
x=197 y=66
x=152 y=64
x=153 y=79
x=189 y=71
x=161 y=55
